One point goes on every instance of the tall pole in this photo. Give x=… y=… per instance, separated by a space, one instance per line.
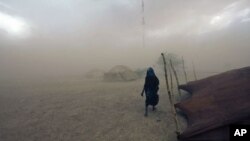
x=143 y=24
x=183 y=66
x=170 y=98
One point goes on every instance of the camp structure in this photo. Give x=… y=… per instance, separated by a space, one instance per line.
x=120 y=73
x=94 y=74
x=216 y=103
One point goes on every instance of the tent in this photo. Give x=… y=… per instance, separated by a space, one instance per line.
x=215 y=103
x=120 y=73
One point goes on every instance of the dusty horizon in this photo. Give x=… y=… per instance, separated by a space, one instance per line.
x=50 y=38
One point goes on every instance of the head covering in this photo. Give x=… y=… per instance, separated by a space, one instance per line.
x=150 y=72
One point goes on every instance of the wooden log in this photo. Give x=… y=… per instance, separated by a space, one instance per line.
x=170 y=98
x=185 y=73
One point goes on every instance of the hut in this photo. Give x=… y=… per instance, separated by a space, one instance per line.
x=216 y=103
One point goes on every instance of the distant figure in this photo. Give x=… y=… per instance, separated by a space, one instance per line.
x=151 y=87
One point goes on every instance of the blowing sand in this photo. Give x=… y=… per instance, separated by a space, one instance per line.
x=82 y=111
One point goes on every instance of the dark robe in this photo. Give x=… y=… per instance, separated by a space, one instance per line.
x=151 y=87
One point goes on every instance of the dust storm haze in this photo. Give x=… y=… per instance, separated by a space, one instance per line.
x=41 y=39
x=48 y=46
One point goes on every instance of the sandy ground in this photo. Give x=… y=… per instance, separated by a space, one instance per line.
x=83 y=111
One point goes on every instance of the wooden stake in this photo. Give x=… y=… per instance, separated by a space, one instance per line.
x=194 y=71
x=171 y=81
x=166 y=73
x=170 y=98
x=176 y=77
x=183 y=64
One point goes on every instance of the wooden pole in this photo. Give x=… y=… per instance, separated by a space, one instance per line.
x=176 y=77
x=194 y=71
x=170 y=98
x=171 y=81
x=166 y=73
x=183 y=65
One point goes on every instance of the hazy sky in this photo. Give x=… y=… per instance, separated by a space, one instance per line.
x=73 y=36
